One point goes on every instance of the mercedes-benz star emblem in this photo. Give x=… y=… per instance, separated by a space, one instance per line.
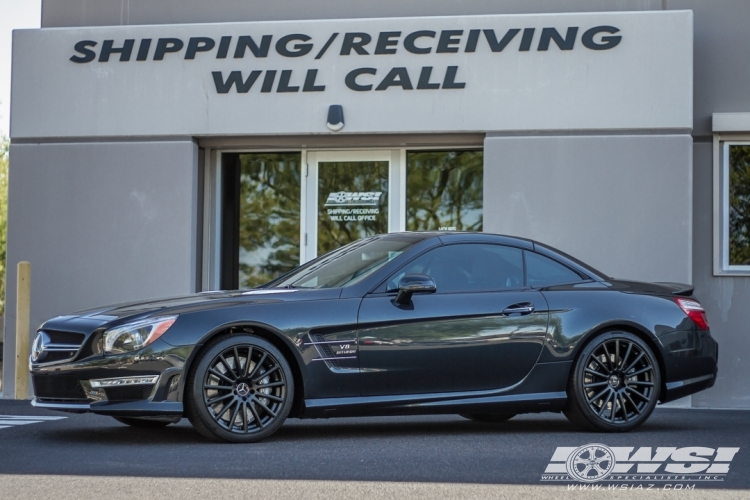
x=243 y=389
x=37 y=349
x=590 y=463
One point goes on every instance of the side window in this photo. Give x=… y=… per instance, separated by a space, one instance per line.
x=735 y=208
x=543 y=271
x=467 y=268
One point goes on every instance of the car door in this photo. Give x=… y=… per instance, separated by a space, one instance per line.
x=482 y=329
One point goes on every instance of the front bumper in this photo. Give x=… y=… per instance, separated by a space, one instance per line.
x=144 y=408
x=68 y=386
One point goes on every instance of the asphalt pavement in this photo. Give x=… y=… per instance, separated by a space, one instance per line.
x=86 y=456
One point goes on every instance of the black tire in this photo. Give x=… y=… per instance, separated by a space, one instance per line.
x=244 y=404
x=143 y=423
x=614 y=385
x=491 y=418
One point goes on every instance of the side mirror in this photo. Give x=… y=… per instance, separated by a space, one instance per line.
x=414 y=283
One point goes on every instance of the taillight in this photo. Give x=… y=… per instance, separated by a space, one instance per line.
x=694 y=311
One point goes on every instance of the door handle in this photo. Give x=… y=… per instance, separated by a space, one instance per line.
x=523 y=308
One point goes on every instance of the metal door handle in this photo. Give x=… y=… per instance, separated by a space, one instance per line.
x=523 y=308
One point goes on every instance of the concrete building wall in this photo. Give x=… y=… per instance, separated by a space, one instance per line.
x=721 y=73
x=721 y=35
x=619 y=203
x=101 y=223
x=65 y=13
x=510 y=90
x=726 y=298
x=721 y=84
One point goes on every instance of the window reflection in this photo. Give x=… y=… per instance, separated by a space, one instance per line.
x=352 y=202
x=347 y=265
x=467 y=267
x=269 y=216
x=444 y=190
x=542 y=271
x=739 y=205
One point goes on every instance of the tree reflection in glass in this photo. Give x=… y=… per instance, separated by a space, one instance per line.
x=739 y=205
x=444 y=190
x=352 y=202
x=269 y=216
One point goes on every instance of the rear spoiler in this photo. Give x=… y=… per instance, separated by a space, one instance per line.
x=680 y=289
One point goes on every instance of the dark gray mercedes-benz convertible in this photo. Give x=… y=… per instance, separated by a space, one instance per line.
x=481 y=325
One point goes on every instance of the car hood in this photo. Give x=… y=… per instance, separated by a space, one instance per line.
x=119 y=313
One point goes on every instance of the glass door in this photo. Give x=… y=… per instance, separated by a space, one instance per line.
x=260 y=227
x=348 y=197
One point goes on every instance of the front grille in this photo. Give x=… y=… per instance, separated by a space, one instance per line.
x=62 y=387
x=129 y=392
x=53 y=356
x=58 y=337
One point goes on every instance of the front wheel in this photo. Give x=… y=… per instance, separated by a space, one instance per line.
x=614 y=385
x=240 y=389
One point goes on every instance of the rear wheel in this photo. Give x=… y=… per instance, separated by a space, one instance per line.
x=143 y=423
x=493 y=418
x=614 y=385
x=240 y=389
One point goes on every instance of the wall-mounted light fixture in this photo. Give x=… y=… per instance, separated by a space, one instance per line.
x=335 y=117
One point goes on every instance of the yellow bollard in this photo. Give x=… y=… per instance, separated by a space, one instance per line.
x=23 y=318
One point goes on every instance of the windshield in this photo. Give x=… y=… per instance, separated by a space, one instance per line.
x=346 y=266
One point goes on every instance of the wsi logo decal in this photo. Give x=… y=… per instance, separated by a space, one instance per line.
x=344 y=199
x=597 y=462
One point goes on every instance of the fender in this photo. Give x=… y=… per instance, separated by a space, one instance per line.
x=296 y=364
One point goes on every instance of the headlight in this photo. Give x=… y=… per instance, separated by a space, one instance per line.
x=136 y=335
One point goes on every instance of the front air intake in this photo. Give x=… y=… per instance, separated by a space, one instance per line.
x=129 y=392
x=63 y=387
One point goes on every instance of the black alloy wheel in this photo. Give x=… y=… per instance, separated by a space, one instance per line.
x=240 y=389
x=614 y=385
x=490 y=418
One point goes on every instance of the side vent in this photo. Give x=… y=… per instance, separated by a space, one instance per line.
x=325 y=351
x=339 y=355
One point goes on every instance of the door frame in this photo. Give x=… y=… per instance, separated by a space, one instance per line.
x=309 y=195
